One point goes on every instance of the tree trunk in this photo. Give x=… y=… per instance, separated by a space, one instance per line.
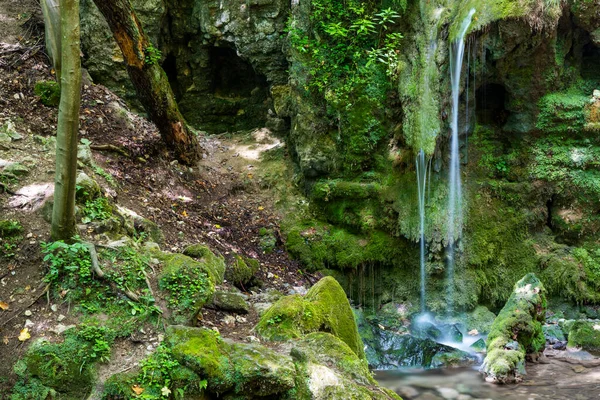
x=51 y=10
x=63 y=211
x=149 y=79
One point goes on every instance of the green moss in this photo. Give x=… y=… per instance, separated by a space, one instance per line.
x=584 y=335
x=189 y=284
x=242 y=271
x=230 y=367
x=324 y=308
x=66 y=368
x=516 y=331
x=48 y=92
x=215 y=263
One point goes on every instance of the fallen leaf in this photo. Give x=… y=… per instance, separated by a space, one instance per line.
x=24 y=335
x=137 y=389
x=184 y=213
x=5 y=340
x=260 y=208
x=165 y=391
x=3 y=306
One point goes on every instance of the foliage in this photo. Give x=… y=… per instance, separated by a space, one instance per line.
x=10 y=236
x=349 y=59
x=97 y=209
x=69 y=268
x=185 y=286
x=48 y=92
x=152 y=55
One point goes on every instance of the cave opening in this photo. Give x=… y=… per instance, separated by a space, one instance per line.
x=590 y=65
x=490 y=105
x=233 y=77
x=169 y=65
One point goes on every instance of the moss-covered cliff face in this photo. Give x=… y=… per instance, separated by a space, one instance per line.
x=361 y=87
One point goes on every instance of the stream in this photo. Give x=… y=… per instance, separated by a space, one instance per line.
x=558 y=378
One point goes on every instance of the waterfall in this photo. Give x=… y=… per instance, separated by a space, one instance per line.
x=422 y=166
x=455 y=217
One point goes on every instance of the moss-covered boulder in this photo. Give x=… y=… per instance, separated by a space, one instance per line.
x=203 y=253
x=324 y=308
x=241 y=272
x=516 y=331
x=87 y=188
x=329 y=369
x=229 y=301
x=231 y=368
x=189 y=283
x=64 y=369
x=585 y=335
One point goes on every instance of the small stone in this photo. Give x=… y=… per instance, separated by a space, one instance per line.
x=60 y=328
x=150 y=347
x=240 y=319
x=270 y=275
x=596 y=93
x=54 y=307
x=229 y=320
x=29 y=235
x=448 y=393
x=28 y=323
x=60 y=318
x=28 y=313
x=16 y=96
x=252 y=339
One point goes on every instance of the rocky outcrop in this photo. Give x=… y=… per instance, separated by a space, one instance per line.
x=516 y=332
x=324 y=308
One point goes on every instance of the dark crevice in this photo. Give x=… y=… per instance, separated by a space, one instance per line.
x=549 y=205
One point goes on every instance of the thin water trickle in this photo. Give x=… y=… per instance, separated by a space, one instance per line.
x=455 y=218
x=421 y=166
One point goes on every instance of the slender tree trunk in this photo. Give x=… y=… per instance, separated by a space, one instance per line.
x=63 y=212
x=149 y=78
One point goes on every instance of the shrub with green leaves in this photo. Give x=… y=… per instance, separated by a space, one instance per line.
x=48 y=92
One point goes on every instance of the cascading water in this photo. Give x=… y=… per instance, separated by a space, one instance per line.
x=455 y=218
x=422 y=167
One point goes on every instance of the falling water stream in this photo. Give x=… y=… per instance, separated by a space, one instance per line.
x=455 y=218
x=422 y=167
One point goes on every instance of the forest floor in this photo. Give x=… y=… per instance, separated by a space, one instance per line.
x=223 y=202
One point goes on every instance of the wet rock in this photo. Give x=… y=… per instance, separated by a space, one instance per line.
x=553 y=333
x=478 y=346
x=448 y=393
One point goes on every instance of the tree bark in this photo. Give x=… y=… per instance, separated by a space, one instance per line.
x=149 y=79
x=63 y=211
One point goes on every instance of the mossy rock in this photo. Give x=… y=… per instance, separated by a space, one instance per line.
x=231 y=368
x=230 y=301
x=204 y=254
x=241 y=272
x=188 y=283
x=87 y=189
x=329 y=369
x=60 y=367
x=324 y=308
x=48 y=92
x=136 y=224
x=553 y=333
x=516 y=331
x=480 y=319
x=585 y=335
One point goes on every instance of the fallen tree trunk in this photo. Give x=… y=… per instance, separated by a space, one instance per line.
x=148 y=77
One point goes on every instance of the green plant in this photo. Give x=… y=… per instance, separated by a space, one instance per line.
x=48 y=92
x=109 y=178
x=152 y=55
x=274 y=320
x=69 y=267
x=97 y=209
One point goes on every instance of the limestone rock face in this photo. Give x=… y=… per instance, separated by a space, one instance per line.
x=517 y=331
